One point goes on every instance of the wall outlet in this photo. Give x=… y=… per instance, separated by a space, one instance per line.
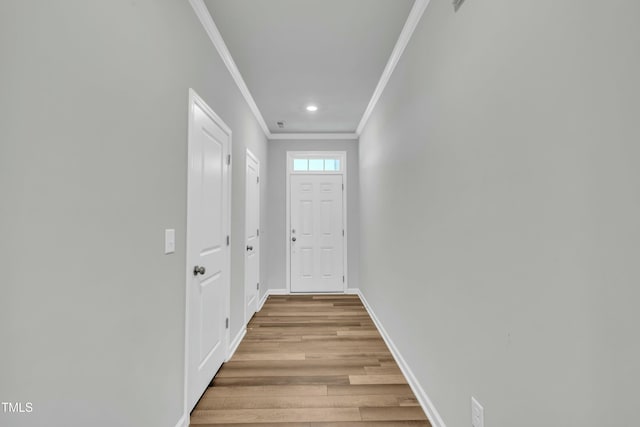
x=169 y=241
x=477 y=413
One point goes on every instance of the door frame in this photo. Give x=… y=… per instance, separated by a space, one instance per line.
x=291 y=155
x=246 y=264
x=196 y=100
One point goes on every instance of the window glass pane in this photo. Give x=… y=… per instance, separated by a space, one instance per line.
x=331 y=165
x=316 y=164
x=300 y=164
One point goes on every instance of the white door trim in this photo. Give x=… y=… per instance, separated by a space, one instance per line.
x=342 y=155
x=255 y=159
x=196 y=100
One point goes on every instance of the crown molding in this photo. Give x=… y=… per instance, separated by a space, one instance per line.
x=405 y=36
x=216 y=38
x=313 y=136
x=403 y=40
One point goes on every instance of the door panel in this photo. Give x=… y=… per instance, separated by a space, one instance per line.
x=208 y=293
x=212 y=180
x=252 y=227
x=210 y=308
x=326 y=262
x=306 y=217
x=317 y=242
x=326 y=217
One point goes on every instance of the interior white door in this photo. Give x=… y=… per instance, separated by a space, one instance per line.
x=252 y=233
x=317 y=241
x=207 y=249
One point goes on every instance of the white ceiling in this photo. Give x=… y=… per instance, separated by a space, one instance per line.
x=292 y=53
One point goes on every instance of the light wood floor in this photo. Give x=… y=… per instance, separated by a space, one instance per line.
x=310 y=361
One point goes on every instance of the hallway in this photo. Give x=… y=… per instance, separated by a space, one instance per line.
x=180 y=178
x=310 y=361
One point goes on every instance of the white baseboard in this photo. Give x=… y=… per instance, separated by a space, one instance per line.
x=183 y=421
x=263 y=300
x=236 y=342
x=270 y=292
x=426 y=403
x=348 y=291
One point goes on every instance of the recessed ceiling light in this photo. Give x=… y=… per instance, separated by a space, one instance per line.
x=312 y=108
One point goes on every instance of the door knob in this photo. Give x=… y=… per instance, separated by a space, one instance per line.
x=198 y=270
x=293 y=239
x=249 y=248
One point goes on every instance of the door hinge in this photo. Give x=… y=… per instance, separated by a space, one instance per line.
x=258 y=285
x=258 y=179
x=226 y=323
x=342 y=233
x=257 y=232
x=342 y=279
x=228 y=159
x=342 y=187
x=228 y=240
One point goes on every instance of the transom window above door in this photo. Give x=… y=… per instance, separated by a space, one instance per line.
x=316 y=163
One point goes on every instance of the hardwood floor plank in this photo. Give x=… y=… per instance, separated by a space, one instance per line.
x=234 y=416
x=382 y=370
x=377 y=379
x=274 y=339
x=268 y=356
x=328 y=346
x=360 y=333
x=411 y=401
x=313 y=371
x=402 y=390
x=297 y=331
x=283 y=380
x=347 y=355
x=341 y=338
x=285 y=402
x=305 y=363
x=280 y=390
x=248 y=346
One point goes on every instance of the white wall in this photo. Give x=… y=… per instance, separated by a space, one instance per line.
x=93 y=145
x=499 y=208
x=275 y=244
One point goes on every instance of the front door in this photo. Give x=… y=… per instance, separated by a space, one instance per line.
x=252 y=233
x=207 y=248
x=317 y=236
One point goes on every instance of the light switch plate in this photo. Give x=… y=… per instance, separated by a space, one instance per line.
x=477 y=413
x=169 y=241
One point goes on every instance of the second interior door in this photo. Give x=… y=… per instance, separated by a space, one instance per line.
x=317 y=233
x=252 y=233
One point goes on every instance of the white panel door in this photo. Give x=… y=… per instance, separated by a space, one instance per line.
x=317 y=241
x=207 y=250
x=252 y=233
